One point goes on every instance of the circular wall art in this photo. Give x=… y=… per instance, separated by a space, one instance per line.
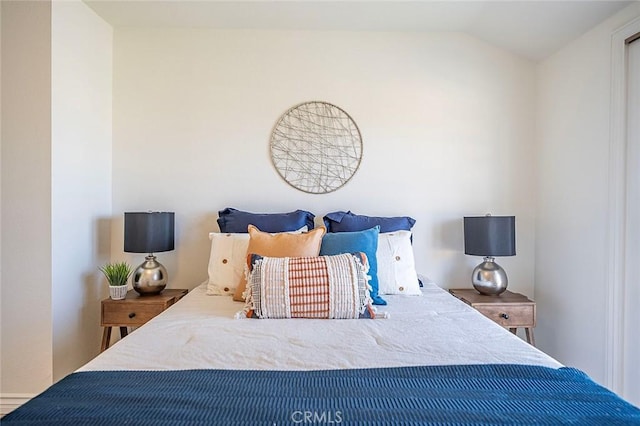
x=316 y=147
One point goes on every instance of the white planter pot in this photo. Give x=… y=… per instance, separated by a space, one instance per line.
x=118 y=292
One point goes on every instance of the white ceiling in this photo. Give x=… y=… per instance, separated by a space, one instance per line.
x=533 y=29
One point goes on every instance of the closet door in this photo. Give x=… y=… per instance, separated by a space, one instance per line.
x=631 y=350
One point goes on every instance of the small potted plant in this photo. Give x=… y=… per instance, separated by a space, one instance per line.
x=117 y=275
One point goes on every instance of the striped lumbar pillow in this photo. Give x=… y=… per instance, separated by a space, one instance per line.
x=330 y=287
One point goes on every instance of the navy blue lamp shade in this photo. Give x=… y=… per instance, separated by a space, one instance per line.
x=148 y=232
x=490 y=236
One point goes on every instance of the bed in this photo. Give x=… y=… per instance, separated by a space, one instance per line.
x=426 y=358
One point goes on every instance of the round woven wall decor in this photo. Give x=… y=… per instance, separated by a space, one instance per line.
x=316 y=147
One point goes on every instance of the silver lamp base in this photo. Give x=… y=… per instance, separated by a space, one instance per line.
x=150 y=277
x=489 y=278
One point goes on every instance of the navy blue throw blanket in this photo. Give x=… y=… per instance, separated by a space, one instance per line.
x=452 y=395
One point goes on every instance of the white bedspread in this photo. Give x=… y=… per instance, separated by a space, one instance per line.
x=433 y=329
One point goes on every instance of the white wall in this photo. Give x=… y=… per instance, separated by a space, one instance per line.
x=0 y=179
x=447 y=125
x=572 y=245
x=56 y=190
x=81 y=78
x=26 y=198
x=630 y=373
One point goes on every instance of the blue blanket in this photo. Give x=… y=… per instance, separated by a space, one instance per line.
x=453 y=395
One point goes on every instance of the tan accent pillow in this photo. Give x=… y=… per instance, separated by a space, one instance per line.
x=282 y=244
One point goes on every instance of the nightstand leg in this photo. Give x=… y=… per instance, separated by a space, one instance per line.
x=123 y=332
x=106 y=337
x=529 y=333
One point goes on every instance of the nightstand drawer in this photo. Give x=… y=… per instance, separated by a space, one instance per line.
x=509 y=316
x=510 y=310
x=134 y=310
x=130 y=314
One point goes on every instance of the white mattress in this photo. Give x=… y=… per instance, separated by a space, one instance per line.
x=433 y=329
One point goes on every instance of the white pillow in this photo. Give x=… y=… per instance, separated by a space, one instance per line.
x=227 y=260
x=396 y=264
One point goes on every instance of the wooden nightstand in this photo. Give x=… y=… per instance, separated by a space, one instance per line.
x=134 y=311
x=510 y=310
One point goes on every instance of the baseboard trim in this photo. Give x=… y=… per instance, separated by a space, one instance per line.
x=11 y=401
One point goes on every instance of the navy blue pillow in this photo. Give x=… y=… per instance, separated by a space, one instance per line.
x=352 y=242
x=348 y=222
x=237 y=221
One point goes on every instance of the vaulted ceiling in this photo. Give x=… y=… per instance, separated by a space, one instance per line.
x=533 y=29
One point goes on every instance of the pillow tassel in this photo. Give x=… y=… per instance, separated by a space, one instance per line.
x=362 y=262
x=247 y=295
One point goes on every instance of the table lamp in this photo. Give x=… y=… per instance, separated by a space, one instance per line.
x=490 y=236
x=149 y=232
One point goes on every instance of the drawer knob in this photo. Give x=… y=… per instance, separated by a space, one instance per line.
x=132 y=314
x=504 y=315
